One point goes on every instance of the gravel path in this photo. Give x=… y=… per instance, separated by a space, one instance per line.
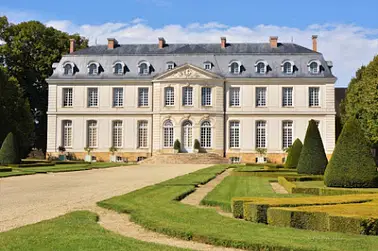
x=278 y=188
x=30 y=199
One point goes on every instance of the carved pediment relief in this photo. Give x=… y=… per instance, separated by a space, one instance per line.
x=187 y=72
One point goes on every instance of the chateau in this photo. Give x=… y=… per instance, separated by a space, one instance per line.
x=232 y=97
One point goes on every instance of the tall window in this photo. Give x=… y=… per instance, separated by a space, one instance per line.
x=206 y=96
x=287 y=96
x=168 y=133
x=234 y=96
x=234 y=134
x=93 y=69
x=67 y=133
x=117 y=134
x=143 y=96
x=260 y=96
x=92 y=134
x=67 y=97
x=142 y=134
x=68 y=69
x=92 y=97
x=287 y=134
x=169 y=96
x=206 y=134
x=187 y=98
x=314 y=96
x=117 y=97
x=260 y=134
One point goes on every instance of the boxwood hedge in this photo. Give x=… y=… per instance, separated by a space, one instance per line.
x=294 y=154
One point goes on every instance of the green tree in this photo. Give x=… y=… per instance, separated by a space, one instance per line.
x=14 y=112
x=361 y=100
x=352 y=164
x=313 y=159
x=294 y=154
x=9 y=152
x=30 y=49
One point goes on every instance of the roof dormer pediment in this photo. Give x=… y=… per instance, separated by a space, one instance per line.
x=186 y=72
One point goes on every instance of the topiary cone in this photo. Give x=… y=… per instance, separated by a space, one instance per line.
x=313 y=159
x=352 y=164
x=9 y=153
x=294 y=154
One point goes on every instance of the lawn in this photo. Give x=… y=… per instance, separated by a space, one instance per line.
x=74 y=231
x=17 y=171
x=241 y=186
x=157 y=208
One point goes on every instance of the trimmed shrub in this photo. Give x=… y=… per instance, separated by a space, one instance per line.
x=313 y=159
x=177 y=145
x=9 y=152
x=294 y=154
x=31 y=165
x=352 y=163
x=5 y=169
x=197 y=144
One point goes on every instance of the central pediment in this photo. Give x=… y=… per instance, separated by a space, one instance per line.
x=186 y=72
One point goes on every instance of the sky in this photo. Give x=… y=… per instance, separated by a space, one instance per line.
x=347 y=30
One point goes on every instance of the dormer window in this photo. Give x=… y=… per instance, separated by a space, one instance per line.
x=93 y=68
x=119 y=68
x=68 y=68
x=261 y=67
x=234 y=67
x=314 y=66
x=170 y=65
x=287 y=67
x=207 y=66
x=144 y=68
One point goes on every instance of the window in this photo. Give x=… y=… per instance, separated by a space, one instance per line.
x=207 y=66
x=234 y=96
x=206 y=134
x=92 y=134
x=287 y=67
x=118 y=68
x=143 y=97
x=67 y=97
x=234 y=68
x=142 y=134
x=260 y=134
x=144 y=68
x=141 y=158
x=287 y=134
x=206 y=96
x=313 y=96
x=287 y=96
x=67 y=133
x=117 y=97
x=169 y=96
x=260 y=96
x=261 y=67
x=235 y=160
x=92 y=97
x=117 y=134
x=234 y=134
x=168 y=133
x=68 y=69
x=187 y=98
x=93 y=69
x=314 y=67
x=170 y=65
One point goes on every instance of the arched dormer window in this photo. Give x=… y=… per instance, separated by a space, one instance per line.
x=170 y=65
x=68 y=68
x=314 y=66
x=207 y=65
x=93 y=68
x=119 y=68
x=234 y=67
x=261 y=67
x=287 y=67
x=144 y=68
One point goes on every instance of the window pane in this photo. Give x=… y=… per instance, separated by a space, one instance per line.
x=169 y=96
x=206 y=96
x=143 y=97
x=92 y=134
x=260 y=96
x=67 y=97
x=117 y=134
x=67 y=133
x=206 y=134
x=287 y=67
x=168 y=133
x=287 y=134
x=260 y=134
x=93 y=69
x=68 y=69
x=118 y=69
x=142 y=134
x=187 y=98
x=234 y=134
x=287 y=96
x=314 y=96
x=235 y=96
x=117 y=97
x=261 y=68
x=92 y=97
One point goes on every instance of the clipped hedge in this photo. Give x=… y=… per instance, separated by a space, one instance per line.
x=31 y=165
x=9 y=152
x=294 y=154
x=5 y=169
x=70 y=162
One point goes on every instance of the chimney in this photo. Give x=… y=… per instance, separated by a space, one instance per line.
x=112 y=43
x=315 y=42
x=273 y=41
x=161 y=42
x=223 y=42
x=72 y=45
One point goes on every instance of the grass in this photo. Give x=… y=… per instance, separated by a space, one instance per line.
x=320 y=184
x=74 y=231
x=241 y=186
x=16 y=171
x=157 y=208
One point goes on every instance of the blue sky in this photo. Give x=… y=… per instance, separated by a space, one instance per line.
x=348 y=32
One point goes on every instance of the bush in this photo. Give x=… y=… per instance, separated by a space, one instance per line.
x=177 y=145
x=32 y=165
x=9 y=152
x=313 y=159
x=5 y=169
x=352 y=164
x=294 y=154
x=196 y=144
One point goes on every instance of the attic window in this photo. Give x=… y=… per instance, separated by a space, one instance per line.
x=261 y=67
x=93 y=68
x=68 y=69
x=119 y=68
x=314 y=66
x=170 y=65
x=207 y=66
x=287 y=67
x=144 y=68
x=234 y=67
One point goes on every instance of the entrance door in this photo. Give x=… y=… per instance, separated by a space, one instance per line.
x=187 y=137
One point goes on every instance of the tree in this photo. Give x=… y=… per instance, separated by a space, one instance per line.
x=9 y=152
x=313 y=159
x=14 y=112
x=352 y=164
x=294 y=154
x=361 y=100
x=30 y=49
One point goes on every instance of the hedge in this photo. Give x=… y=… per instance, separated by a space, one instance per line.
x=5 y=169
x=294 y=154
x=32 y=165
x=352 y=164
x=9 y=152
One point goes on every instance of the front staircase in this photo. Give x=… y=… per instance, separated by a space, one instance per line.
x=186 y=158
